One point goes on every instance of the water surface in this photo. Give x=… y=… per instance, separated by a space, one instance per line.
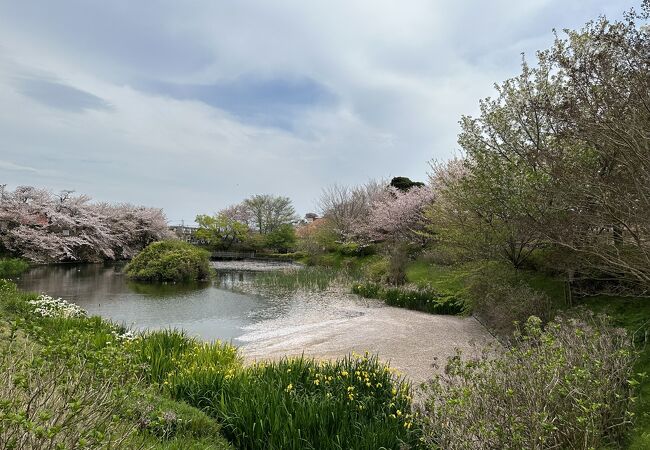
x=227 y=308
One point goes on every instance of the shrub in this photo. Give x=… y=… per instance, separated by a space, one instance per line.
x=170 y=261
x=500 y=300
x=12 y=267
x=569 y=385
x=57 y=403
x=420 y=299
x=377 y=271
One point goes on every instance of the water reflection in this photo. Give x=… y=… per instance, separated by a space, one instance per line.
x=207 y=310
x=230 y=307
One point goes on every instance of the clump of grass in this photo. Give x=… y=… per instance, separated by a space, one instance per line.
x=159 y=352
x=12 y=267
x=202 y=372
x=355 y=402
x=419 y=299
x=307 y=278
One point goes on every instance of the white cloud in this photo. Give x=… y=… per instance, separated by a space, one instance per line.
x=402 y=74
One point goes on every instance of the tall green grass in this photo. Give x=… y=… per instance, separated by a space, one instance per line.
x=12 y=267
x=355 y=402
x=307 y=278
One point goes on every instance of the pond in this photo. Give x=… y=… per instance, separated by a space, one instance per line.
x=229 y=307
x=266 y=320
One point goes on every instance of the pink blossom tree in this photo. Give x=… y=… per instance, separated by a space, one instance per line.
x=43 y=227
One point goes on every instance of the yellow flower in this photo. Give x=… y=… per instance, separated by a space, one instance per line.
x=408 y=425
x=394 y=391
x=316 y=382
x=289 y=387
x=344 y=373
x=398 y=412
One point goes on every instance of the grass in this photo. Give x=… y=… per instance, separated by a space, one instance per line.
x=113 y=399
x=422 y=299
x=309 y=278
x=356 y=402
x=12 y=267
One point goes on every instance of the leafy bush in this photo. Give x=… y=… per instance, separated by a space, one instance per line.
x=569 y=385
x=500 y=300
x=170 y=261
x=12 y=267
x=57 y=403
x=419 y=299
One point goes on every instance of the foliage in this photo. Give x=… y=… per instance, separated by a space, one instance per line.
x=268 y=212
x=397 y=215
x=220 y=231
x=558 y=159
x=98 y=367
x=282 y=238
x=12 y=267
x=43 y=227
x=570 y=385
x=419 y=299
x=57 y=403
x=169 y=261
x=355 y=402
x=404 y=183
x=309 y=278
x=346 y=209
x=501 y=299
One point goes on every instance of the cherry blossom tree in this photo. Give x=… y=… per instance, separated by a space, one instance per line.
x=397 y=214
x=44 y=227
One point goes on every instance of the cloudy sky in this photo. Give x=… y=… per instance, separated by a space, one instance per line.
x=191 y=106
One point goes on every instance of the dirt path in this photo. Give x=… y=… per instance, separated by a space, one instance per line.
x=410 y=340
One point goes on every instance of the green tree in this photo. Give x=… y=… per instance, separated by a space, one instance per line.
x=220 y=231
x=269 y=212
x=404 y=183
x=282 y=239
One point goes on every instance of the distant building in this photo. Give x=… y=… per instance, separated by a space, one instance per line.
x=184 y=233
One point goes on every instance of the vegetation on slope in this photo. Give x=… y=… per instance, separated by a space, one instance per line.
x=170 y=261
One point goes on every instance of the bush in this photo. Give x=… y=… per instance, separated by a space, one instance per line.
x=419 y=299
x=500 y=300
x=12 y=267
x=170 y=261
x=569 y=385
x=57 y=403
